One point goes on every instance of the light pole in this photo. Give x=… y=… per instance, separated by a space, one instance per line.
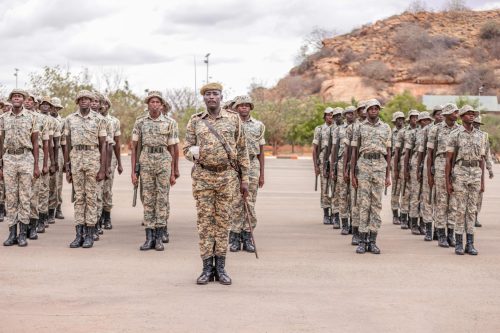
x=206 y=62
x=16 y=75
x=481 y=90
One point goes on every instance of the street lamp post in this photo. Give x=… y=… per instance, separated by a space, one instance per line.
x=16 y=74
x=206 y=62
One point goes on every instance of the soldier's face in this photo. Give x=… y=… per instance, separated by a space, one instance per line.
x=29 y=103
x=154 y=104
x=349 y=116
x=104 y=108
x=44 y=107
x=337 y=119
x=438 y=116
x=413 y=120
x=468 y=117
x=476 y=125
x=243 y=109
x=328 y=118
x=7 y=108
x=17 y=100
x=373 y=112
x=212 y=99
x=94 y=104
x=424 y=122
x=84 y=103
x=400 y=122
x=453 y=116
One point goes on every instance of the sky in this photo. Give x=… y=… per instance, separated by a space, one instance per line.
x=156 y=44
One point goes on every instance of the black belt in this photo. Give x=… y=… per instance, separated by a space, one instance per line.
x=18 y=151
x=219 y=168
x=154 y=150
x=372 y=156
x=84 y=147
x=469 y=164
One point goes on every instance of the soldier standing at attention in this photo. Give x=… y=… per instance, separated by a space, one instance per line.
x=398 y=119
x=56 y=113
x=2 y=184
x=465 y=159
x=337 y=121
x=215 y=142
x=18 y=165
x=436 y=161
x=337 y=170
x=320 y=145
x=254 y=135
x=57 y=160
x=156 y=135
x=372 y=143
x=84 y=158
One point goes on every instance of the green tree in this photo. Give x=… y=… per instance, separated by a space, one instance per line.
x=465 y=100
x=401 y=102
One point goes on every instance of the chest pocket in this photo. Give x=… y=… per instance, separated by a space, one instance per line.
x=90 y=125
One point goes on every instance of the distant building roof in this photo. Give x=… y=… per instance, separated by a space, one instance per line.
x=486 y=103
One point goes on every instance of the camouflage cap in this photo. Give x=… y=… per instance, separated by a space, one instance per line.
x=412 y=113
x=84 y=93
x=477 y=120
x=396 y=115
x=243 y=100
x=466 y=108
x=350 y=108
x=436 y=108
x=210 y=86
x=228 y=104
x=7 y=103
x=98 y=95
x=56 y=102
x=449 y=109
x=47 y=99
x=18 y=91
x=32 y=95
x=372 y=102
x=328 y=110
x=107 y=100
x=157 y=94
x=361 y=105
x=337 y=111
x=424 y=115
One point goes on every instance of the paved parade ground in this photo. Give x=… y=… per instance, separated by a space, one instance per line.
x=308 y=277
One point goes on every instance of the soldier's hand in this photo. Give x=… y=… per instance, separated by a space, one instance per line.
x=134 y=179
x=64 y=168
x=172 y=179
x=449 y=188
x=491 y=174
x=1 y=174
x=177 y=173
x=430 y=181
x=244 y=190
x=52 y=169
x=69 y=178
x=120 y=169
x=346 y=177
x=326 y=174
x=387 y=181
x=482 y=187
x=45 y=170
x=316 y=170
x=407 y=176
x=36 y=172
x=354 y=181
x=56 y=167
x=261 y=181
x=100 y=175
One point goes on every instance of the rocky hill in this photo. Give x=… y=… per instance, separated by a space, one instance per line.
x=425 y=53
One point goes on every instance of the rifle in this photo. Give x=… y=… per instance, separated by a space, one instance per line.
x=326 y=162
x=356 y=170
x=433 y=161
x=396 y=180
x=316 y=184
x=137 y=169
x=336 y=163
x=247 y=217
x=73 y=195
x=453 y=162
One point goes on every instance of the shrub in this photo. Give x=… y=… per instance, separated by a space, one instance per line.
x=376 y=70
x=490 y=30
x=476 y=77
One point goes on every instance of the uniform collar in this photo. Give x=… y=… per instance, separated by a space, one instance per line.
x=22 y=113
x=78 y=113
x=161 y=117
x=222 y=114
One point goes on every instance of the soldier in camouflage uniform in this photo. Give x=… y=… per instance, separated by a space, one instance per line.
x=84 y=158
x=254 y=135
x=348 y=172
x=398 y=119
x=464 y=174
x=215 y=142
x=412 y=166
x=320 y=145
x=337 y=121
x=436 y=160
x=43 y=150
x=371 y=157
x=156 y=135
x=404 y=135
x=56 y=113
x=337 y=171
x=57 y=160
x=19 y=164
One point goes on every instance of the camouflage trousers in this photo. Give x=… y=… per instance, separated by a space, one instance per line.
x=214 y=193
x=2 y=191
x=84 y=168
x=18 y=176
x=326 y=199
x=100 y=188
x=35 y=190
x=43 y=194
x=341 y=197
x=395 y=191
x=354 y=209
x=405 y=198
x=55 y=184
x=108 y=187
x=155 y=188
x=441 y=208
x=414 y=187
x=371 y=183
x=480 y=203
x=239 y=221
x=465 y=198
x=426 y=205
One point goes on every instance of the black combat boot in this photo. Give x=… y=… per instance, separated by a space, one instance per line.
x=459 y=244
x=208 y=273
x=234 y=242
x=247 y=242
x=355 y=236
x=451 y=239
x=78 y=242
x=373 y=243
x=436 y=235
x=46 y=220
x=2 y=212
x=150 y=242
x=395 y=217
x=98 y=225
x=476 y=223
x=40 y=228
x=89 y=237
x=362 y=243
x=414 y=226
x=469 y=247
x=59 y=215
x=442 y=242
x=32 y=229
x=158 y=239
x=422 y=226
x=345 y=226
x=107 y=220
x=336 y=221
x=12 y=239
x=428 y=232
x=326 y=216
x=165 y=236
x=404 y=221
x=23 y=232
x=51 y=218
x=220 y=272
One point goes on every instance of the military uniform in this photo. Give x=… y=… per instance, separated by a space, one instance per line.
x=412 y=139
x=489 y=167
x=100 y=185
x=18 y=165
x=425 y=205
x=405 y=133
x=57 y=127
x=396 y=185
x=354 y=208
x=108 y=183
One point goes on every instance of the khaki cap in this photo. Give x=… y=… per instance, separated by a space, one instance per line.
x=449 y=108
x=243 y=100
x=156 y=94
x=210 y=86
x=424 y=115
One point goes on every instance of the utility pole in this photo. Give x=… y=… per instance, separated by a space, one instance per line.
x=195 y=83
x=206 y=62
x=16 y=74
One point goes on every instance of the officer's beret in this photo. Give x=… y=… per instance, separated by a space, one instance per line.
x=210 y=86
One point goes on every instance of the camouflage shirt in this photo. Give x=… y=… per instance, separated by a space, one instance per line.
x=410 y=141
x=438 y=135
x=115 y=127
x=321 y=136
x=394 y=136
x=254 y=134
x=469 y=146
x=339 y=134
x=84 y=130
x=17 y=129
x=373 y=138
x=212 y=153
x=162 y=131
x=43 y=124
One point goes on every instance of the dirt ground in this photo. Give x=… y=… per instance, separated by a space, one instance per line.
x=308 y=277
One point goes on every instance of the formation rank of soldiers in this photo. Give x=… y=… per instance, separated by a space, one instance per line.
x=436 y=168
x=226 y=147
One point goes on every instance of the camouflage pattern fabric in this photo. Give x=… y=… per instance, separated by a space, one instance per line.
x=43 y=135
x=404 y=202
x=340 y=197
x=395 y=192
x=214 y=191
x=108 y=183
x=425 y=206
x=54 y=195
x=348 y=139
x=414 y=185
x=321 y=135
x=100 y=185
x=60 y=157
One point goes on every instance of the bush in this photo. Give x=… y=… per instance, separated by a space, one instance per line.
x=490 y=30
x=401 y=102
x=376 y=70
x=476 y=77
x=299 y=86
x=435 y=64
x=347 y=57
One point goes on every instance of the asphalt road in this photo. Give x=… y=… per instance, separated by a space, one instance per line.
x=308 y=277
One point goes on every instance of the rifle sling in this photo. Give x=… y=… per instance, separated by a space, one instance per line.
x=223 y=142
